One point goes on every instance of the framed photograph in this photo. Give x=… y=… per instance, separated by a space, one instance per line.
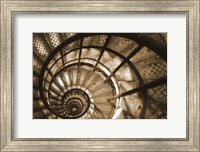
x=99 y=75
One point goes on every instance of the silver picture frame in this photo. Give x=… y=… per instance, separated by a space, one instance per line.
x=11 y=7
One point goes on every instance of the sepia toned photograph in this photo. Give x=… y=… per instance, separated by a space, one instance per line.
x=99 y=75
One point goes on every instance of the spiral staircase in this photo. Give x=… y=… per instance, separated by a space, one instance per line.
x=99 y=76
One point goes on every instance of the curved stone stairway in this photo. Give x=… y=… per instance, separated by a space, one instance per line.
x=98 y=76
